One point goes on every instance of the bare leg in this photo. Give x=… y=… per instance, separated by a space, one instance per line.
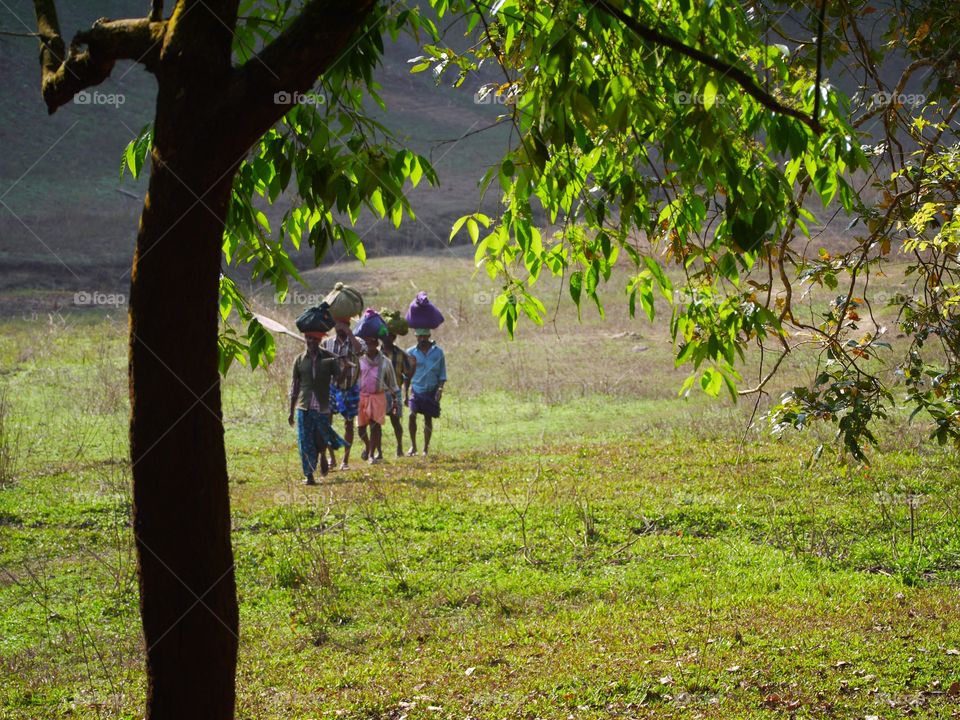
x=398 y=432
x=333 y=455
x=366 y=442
x=376 y=435
x=324 y=468
x=348 y=436
x=413 y=434
x=427 y=433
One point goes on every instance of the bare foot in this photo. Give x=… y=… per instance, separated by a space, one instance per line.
x=344 y=466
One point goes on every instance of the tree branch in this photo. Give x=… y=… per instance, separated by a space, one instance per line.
x=64 y=74
x=821 y=26
x=741 y=78
x=264 y=88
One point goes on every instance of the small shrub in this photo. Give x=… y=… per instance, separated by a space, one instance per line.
x=10 y=447
x=288 y=573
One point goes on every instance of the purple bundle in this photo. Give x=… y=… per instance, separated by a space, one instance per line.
x=371 y=325
x=424 y=314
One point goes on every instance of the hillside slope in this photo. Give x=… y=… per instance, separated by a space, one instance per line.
x=67 y=220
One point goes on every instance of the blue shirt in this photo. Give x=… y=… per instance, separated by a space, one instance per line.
x=431 y=369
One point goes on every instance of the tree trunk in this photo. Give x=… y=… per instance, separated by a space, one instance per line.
x=208 y=114
x=181 y=501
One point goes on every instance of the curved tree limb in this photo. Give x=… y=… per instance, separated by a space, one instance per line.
x=65 y=72
x=262 y=90
x=741 y=78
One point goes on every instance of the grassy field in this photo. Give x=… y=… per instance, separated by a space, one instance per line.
x=582 y=544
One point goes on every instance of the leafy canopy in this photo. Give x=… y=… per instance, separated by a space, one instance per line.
x=679 y=139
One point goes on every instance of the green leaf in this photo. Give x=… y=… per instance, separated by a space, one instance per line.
x=727 y=267
x=457 y=225
x=576 y=287
x=136 y=151
x=709 y=94
x=354 y=244
x=711 y=381
x=663 y=282
x=376 y=200
x=731 y=387
x=646 y=298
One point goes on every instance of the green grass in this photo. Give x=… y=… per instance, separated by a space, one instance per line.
x=582 y=543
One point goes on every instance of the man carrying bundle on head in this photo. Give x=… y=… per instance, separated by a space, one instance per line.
x=403 y=368
x=345 y=302
x=377 y=383
x=426 y=386
x=313 y=370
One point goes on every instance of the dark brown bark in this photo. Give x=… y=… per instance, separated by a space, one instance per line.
x=64 y=74
x=181 y=498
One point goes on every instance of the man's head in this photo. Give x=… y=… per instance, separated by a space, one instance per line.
x=313 y=340
x=423 y=336
x=389 y=339
x=373 y=345
x=342 y=326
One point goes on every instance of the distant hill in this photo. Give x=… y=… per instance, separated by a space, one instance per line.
x=68 y=219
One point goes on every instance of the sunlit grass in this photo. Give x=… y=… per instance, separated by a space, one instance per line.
x=582 y=543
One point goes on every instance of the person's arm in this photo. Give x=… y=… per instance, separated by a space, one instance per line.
x=411 y=370
x=389 y=380
x=394 y=381
x=294 y=390
x=442 y=374
x=333 y=363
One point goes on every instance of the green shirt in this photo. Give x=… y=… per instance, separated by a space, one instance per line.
x=310 y=385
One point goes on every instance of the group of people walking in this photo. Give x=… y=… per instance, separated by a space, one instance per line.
x=362 y=375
